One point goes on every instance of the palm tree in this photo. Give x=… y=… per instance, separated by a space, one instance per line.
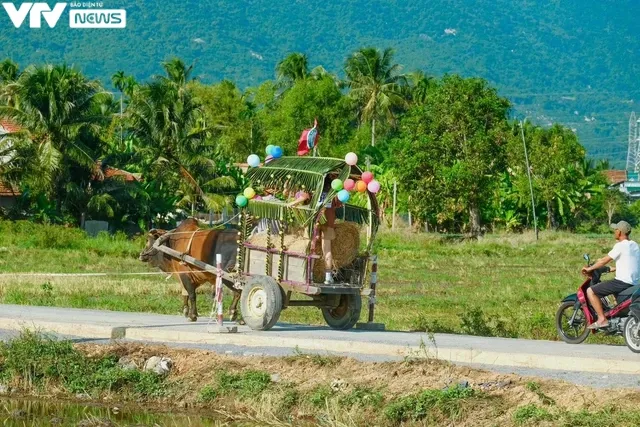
x=420 y=85
x=9 y=71
x=292 y=68
x=168 y=123
x=177 y=72
x=61 y=113
x=119 y=81
x=376 y=85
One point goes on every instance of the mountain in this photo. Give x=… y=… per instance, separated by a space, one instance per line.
x=571 y=61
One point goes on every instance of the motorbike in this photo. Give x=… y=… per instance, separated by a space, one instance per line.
x=576 y=313
x=632 y=325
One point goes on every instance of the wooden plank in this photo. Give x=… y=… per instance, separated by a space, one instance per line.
x=296 y=270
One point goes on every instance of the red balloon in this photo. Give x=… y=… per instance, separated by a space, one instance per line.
x=367 y=177
x=349 y=184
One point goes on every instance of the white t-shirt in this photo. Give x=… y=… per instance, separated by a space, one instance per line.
x=626 y=254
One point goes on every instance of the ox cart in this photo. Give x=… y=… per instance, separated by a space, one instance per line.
x=275 y=271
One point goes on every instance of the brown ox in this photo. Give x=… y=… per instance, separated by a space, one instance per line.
x=202 y=245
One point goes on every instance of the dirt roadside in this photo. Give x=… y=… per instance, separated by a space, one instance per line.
x=499 y=399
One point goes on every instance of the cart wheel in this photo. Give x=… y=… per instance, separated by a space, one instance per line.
x=261 y=302
x=346 y=314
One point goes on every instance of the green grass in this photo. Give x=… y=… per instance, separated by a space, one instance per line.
x=429 y=404
x=35 y=360
x=531 y=414
x=503 y=285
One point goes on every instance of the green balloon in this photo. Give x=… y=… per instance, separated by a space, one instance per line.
x=241 y=201
x=336 y=184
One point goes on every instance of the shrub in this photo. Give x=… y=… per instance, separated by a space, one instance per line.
x=416 y=407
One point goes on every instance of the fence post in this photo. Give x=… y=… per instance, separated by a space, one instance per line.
x=219 y=299
x=370 y=325
x=372 y=286
x=219 y=289
x=393 y=219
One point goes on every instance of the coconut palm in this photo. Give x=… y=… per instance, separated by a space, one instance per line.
x=292 y=68
x=420 y=85
x=9 y=71
x=119 y=81
x=168 y=125
x=376 y=85
x=61 y=113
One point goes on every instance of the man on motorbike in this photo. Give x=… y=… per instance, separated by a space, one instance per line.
x=626 y=254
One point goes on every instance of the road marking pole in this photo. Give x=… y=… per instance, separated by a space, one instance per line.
x=370 y=325
x=219 y=299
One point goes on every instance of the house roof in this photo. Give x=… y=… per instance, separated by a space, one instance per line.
x=615 y=176
x=113 y=172
x=7 y=190
x=7 y=126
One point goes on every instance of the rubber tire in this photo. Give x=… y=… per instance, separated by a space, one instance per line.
x=272 y=299
x=628 y=324
x=346 y=315
x=564 y=338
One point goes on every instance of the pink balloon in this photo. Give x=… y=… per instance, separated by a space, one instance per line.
x=367 y=177
x=351 y=159
x=373 y=186
x=349 y=184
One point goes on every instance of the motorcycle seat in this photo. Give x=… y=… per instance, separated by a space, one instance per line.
x=626 y=294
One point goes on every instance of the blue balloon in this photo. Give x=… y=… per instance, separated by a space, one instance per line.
x=276 y=152
x=269 y=149
x=343 y=196
x=253 y=160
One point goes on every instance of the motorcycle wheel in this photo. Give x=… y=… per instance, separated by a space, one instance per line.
x=571 y=334
x=631 y=337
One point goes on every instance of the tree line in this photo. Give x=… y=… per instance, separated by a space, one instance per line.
x=449 y=143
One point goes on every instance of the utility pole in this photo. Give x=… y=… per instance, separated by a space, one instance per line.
x=526 y=157
x=395 y=190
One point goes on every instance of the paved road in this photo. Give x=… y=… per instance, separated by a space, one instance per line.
x=595 y=365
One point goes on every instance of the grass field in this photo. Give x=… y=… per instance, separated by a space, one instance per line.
x=503 y=285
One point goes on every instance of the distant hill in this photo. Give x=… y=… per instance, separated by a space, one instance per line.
x=572 y=61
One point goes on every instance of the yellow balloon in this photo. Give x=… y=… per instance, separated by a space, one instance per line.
x=249 y=193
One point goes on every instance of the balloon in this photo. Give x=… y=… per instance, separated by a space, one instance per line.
x=367 y=177
x=276 y=152
x=257 y=198
x=343 y=196
x=241 y=201
x=349 y=184
x=336 y=184
x=361 y=186
x=249 y=193
x=373 y=186
x=351 y=159
x=269 y=149
x=253 y=160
